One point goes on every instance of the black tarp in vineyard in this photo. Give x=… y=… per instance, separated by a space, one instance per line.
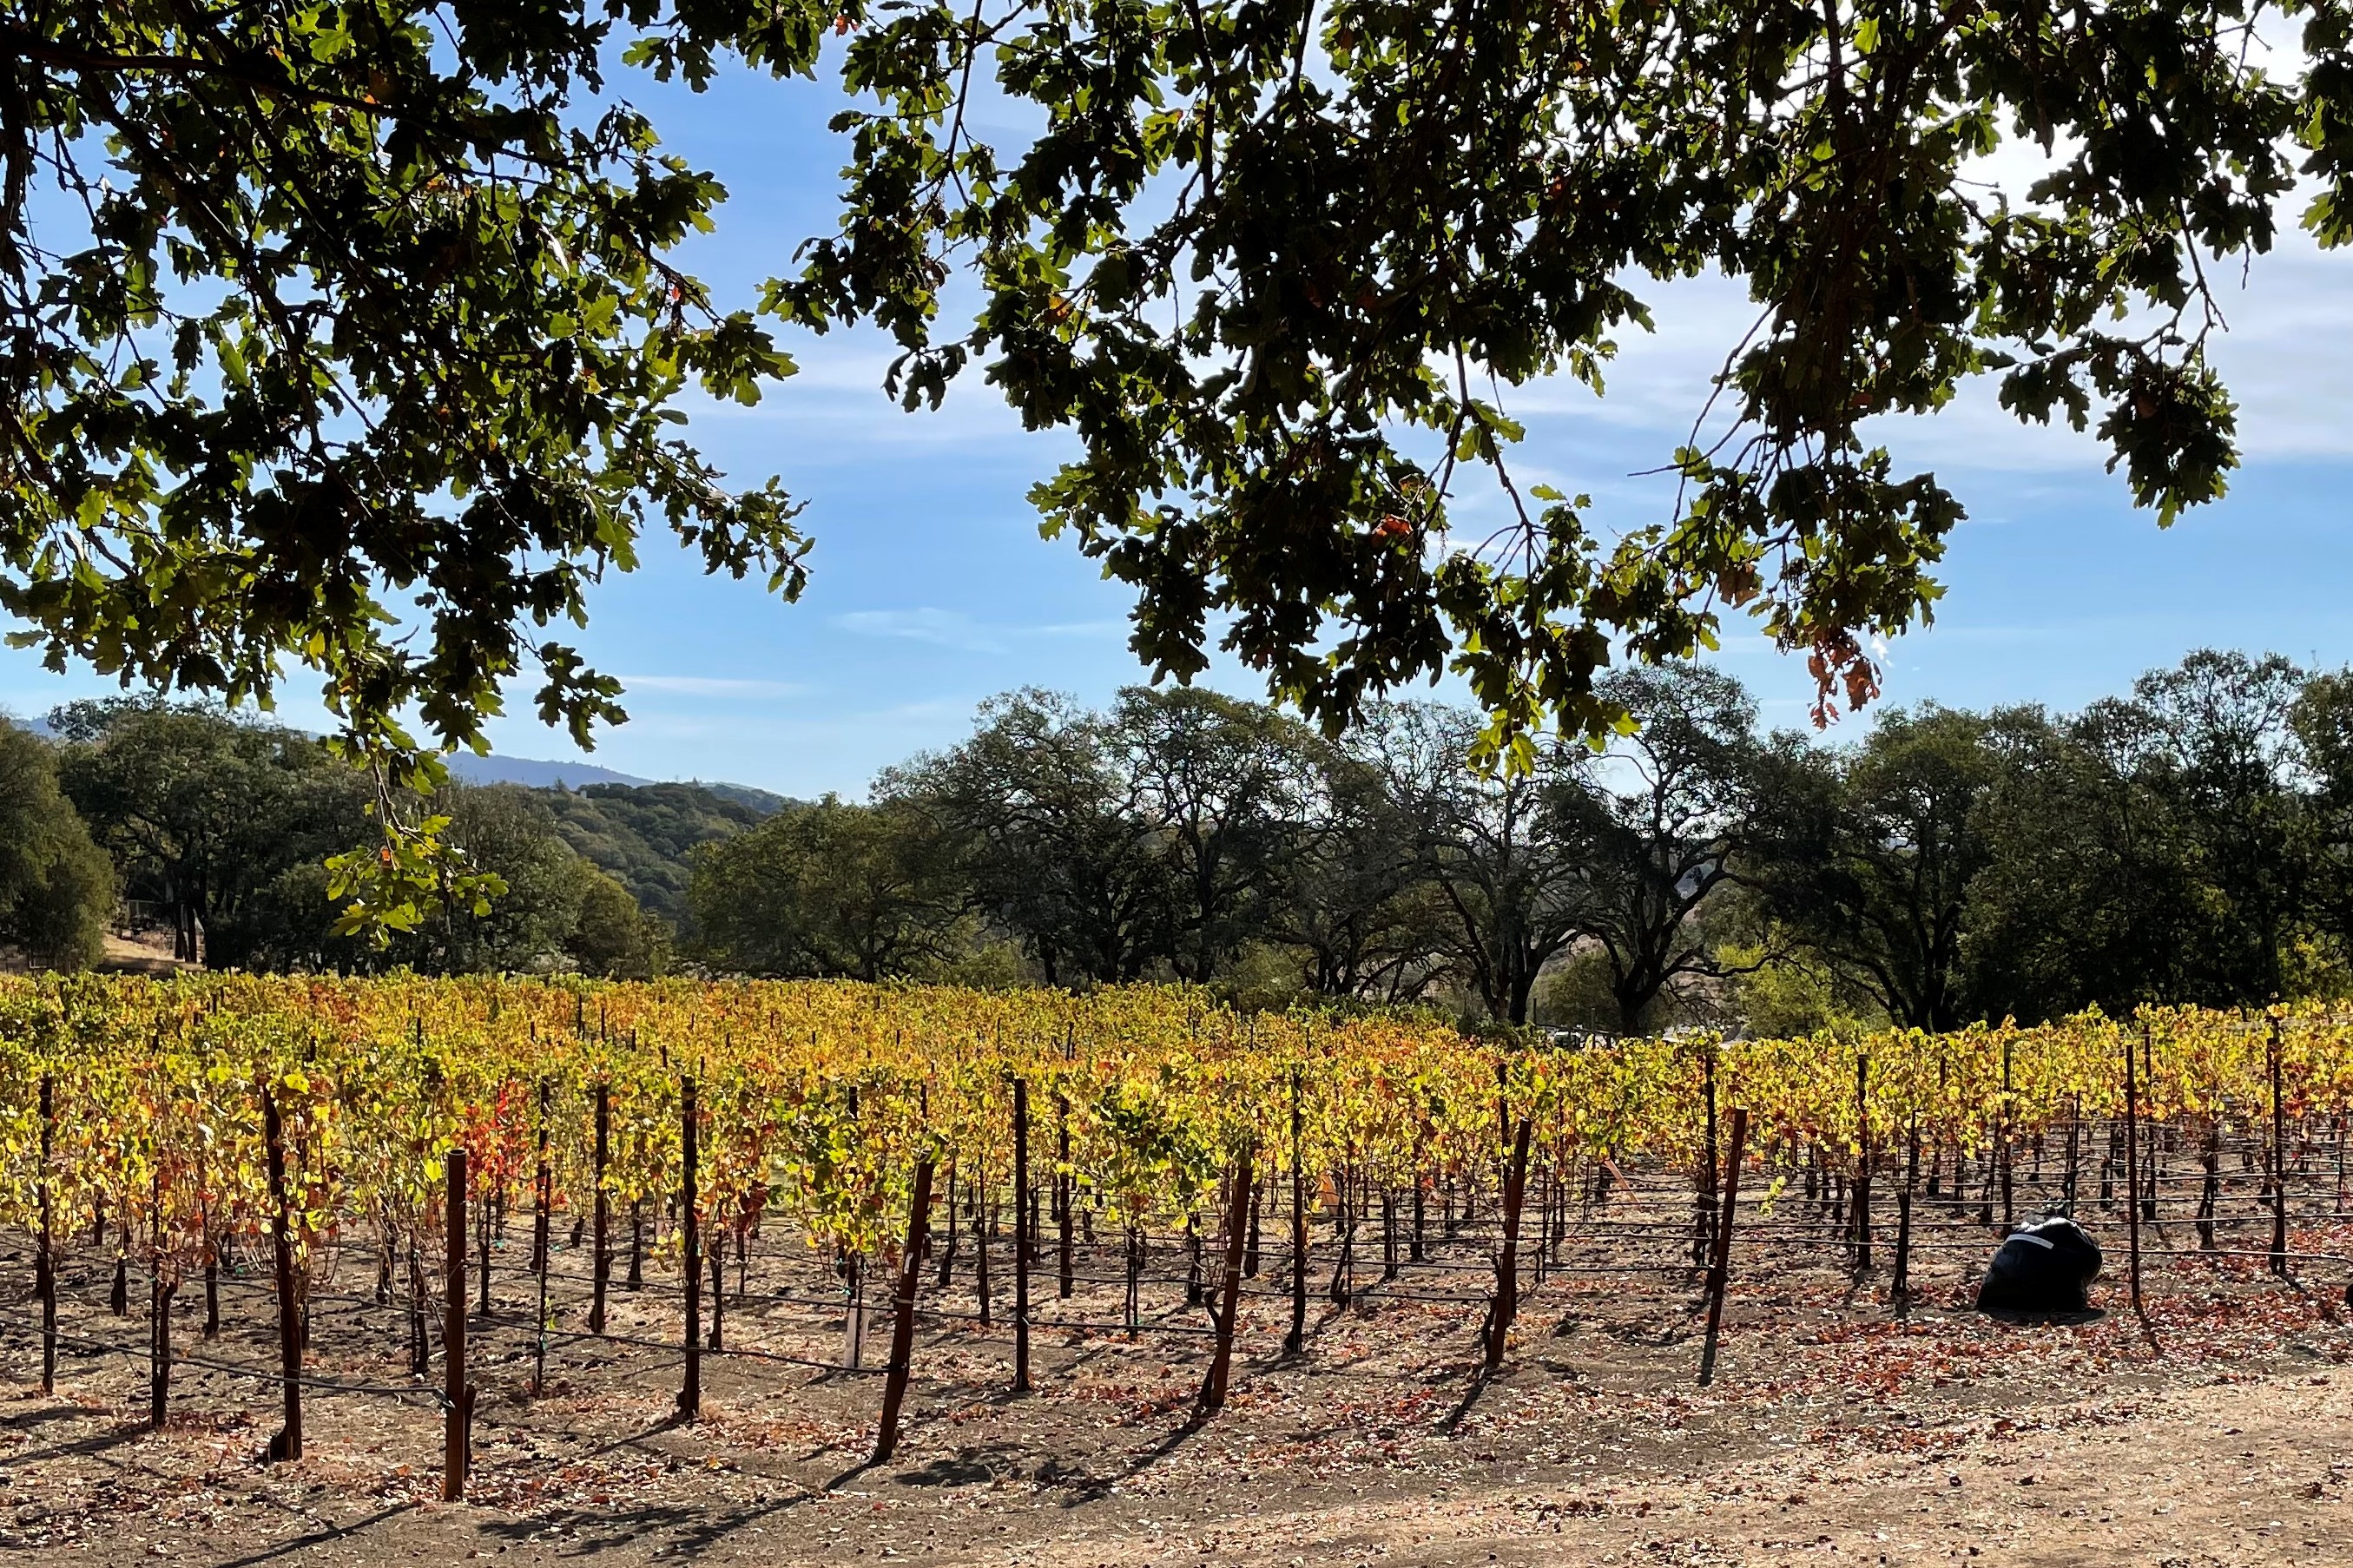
x=2046 y=1267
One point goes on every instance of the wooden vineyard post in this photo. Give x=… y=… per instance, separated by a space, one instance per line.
x=2008 y=1155
x=948 y=1252
x=119 y=1302
x=543 y=1191
x=1065 y=1189
x=903 y=1318
x=212 y=1272
x=541 y=1197
x=600 y=1263
x=1295 y=1341
x=1703 y=1207
x=1902 y=1291
x=1226 y=1310
x=2210 y=1190
x=1719 y=1273
x=482 y=1247
x=1344 y=1227
x=690 y=1397
x=159 y=1311
x=1036 y=1225
x=1250 y=1250
x=287 y=1444
x=2155 y=1143
x=1505 y=1306
x=1022 y=1235
x=2074 y=1150
x=1420 y=1188
x=45 y=1268
x=1193 y=1286
x=421 y=1340
x=717 y=1255
x=2279 y=1161
x=457 y=1398
x=1863 y=1163
x=984 y=1216
x=2132 y=1209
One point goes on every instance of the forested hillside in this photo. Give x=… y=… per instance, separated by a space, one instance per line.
x=205 y=835
x=642 y=835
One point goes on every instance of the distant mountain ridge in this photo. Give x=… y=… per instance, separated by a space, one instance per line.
x=641 y=832
x=533 y=773
x=536 y=772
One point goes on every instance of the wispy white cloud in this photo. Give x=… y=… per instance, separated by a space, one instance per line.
x=942 y=628
x=712 y=686
x=2281 y=355
x=1076 y=629
x=955 y=629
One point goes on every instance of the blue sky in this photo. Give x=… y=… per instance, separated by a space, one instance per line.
x=931 y=588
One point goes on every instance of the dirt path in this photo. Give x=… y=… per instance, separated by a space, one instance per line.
x=2251 y=1473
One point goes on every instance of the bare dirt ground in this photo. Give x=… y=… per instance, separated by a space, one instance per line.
x=1836 y=1432
x=142 y=952
x=139 y=952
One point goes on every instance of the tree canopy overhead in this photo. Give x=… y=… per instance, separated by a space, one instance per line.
x=345 y=333
x=1279 y=263
x=348 y=334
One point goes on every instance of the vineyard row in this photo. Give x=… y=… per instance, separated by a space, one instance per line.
x=196 y=1120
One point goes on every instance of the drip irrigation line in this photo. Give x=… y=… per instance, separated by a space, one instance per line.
x=258 y=1374
x=187 y=1301
x=237 y=1279
x=497 y=1319
x=1074 y=1325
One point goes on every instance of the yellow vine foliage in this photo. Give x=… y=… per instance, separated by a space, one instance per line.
x=817 y=1098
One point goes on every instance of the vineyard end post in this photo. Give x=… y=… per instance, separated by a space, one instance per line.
x=601 y=1264
x=212 y=1276
x=543 y=1192
x=1864 y=1159
x=2279 y=1161
x=1241 y=1203
x=1901 y=1291
x=2008 y=1152
x=1067 y=1190
x=690 y=1397
x=903 y=1318
x=1021 y=1237
x=288 y=1445
x=457 y=1398
x=159 y=1313
x=1703 y=1241
x=1719 y=1273
x=1296 y=1340
x=45 y=1277
x=2132 y=1207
